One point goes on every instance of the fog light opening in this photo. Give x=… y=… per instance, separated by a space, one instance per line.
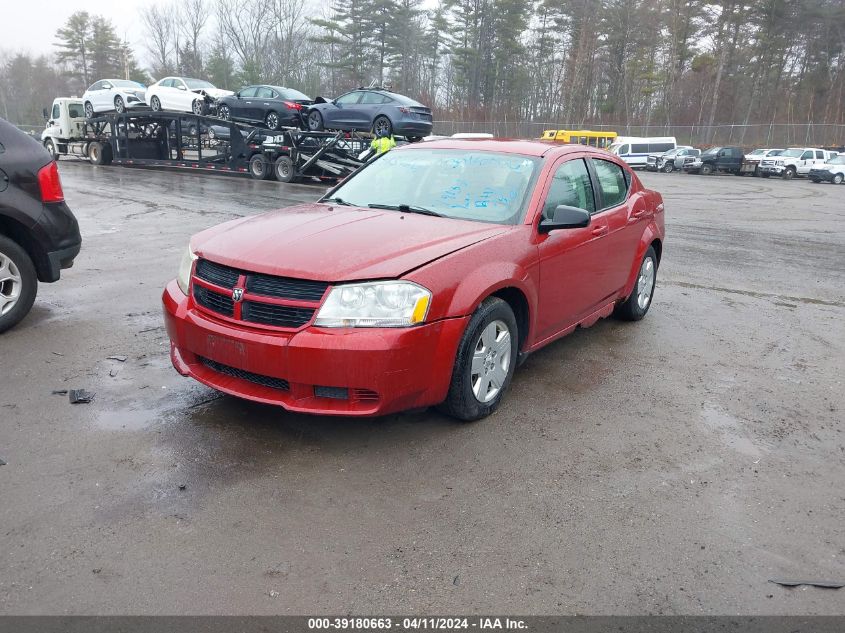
x=334 y=393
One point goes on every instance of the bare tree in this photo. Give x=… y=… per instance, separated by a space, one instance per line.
x=161 y=32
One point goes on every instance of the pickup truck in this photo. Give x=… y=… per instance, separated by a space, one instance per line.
x=751 y=163
x=832 y=171
x=796 y=161
x=727 y=159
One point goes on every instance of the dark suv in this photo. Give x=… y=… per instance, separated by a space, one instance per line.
x=38 y=233
x=728 y=159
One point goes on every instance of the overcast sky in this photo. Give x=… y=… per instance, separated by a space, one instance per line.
x=31 y=25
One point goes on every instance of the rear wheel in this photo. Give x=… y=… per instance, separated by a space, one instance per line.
x=89 y=110
x=224 y=113
x=272 y=121
x=382 y=126
x=284 y=169
x=198 y=107
x=119 y=105
x=259 y=167
x=155 y=104
x=413 y=139
x=99 y=153
x=18 y=283
x=637 y=304
x=315 y=121
x=484 y=363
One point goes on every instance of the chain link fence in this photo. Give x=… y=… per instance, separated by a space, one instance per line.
x=756 y=135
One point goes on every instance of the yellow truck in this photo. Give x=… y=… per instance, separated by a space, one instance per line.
x=602 y=139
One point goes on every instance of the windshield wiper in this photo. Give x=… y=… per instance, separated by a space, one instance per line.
x=406 y=208
x=339 y=201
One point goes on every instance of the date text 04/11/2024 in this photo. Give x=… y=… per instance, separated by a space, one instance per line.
x=417 y=623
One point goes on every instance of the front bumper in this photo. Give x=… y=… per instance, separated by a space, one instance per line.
x=366 y=371
x=772 y=169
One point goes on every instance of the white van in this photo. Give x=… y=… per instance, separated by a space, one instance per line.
x=634 y=150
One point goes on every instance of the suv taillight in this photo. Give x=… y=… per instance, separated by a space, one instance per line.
x=50 y=183
x=292 y=105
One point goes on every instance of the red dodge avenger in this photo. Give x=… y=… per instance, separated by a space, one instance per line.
x=421 y=280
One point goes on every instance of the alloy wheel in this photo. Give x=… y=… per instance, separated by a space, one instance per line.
x=224 y=113
x=119 y=106
x=491 y=361
x=11 y=284
x=645 y=283
x=89 y=111
x=272 y=120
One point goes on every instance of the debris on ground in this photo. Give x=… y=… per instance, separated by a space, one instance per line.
x=119 y=358
x=97 y=570
x=182 y=486
x=113 y=373
x=58 y=353
x=60 y=392
x=2 y=462
x=824 y=584
x=80 y=396
x=273 y=593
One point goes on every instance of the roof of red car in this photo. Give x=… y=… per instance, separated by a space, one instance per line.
x=506 y=145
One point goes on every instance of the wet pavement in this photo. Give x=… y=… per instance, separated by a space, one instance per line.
x=670 y=466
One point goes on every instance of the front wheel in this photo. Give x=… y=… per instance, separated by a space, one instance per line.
x=272 y=121
x=706 y=170
x=668 y=168
x=224 y=113
x=637 y=304
x=89 y=110
x=484 y=363
x=198 y=107
x=838 y=178
x=789 y=173
x=18 y=283
x=51 y=147
x=315 y=121
x=119 y=105
x=155 y=104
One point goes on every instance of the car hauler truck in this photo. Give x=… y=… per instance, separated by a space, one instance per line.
x=188 y=141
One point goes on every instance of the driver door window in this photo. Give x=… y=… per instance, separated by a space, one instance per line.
x=571 y=187
x=348 y=99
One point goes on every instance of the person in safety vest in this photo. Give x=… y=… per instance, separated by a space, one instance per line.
x=383 y=142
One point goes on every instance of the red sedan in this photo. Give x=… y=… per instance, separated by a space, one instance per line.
x=421 y=280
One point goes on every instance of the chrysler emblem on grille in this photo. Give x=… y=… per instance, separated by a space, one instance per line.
x=237 y=294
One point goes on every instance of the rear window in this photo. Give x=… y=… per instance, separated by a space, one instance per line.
x=76 y=111
x=289 y=93
x=612 y=182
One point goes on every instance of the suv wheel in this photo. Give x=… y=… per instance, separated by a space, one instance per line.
x=637 y=304
x=706 y=169
x=18 y=283
x=485 y=362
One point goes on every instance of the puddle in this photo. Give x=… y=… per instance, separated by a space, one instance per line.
x=730 y=428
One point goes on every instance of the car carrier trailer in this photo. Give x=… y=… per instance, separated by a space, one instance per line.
x=189 y=141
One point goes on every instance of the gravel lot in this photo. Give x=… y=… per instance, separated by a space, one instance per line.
x=671 y=466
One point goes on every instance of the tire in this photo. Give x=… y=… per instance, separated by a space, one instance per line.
x=272 y=121
x=492 y=321
x=284 y=169
x=51 y=147
x=224 y=113
x=97 y=153
x=155 y=104
x=668 y=168
x=756 y=173
x=413 y=139
x=89 y=110
x=706 y=170
x=259 y=167
x=382 y=124
x=198 y=107
x=789 y=173
x=18 y=283
x=315 y=121
x=837 y=179
x=119 y=105
x=637 y=304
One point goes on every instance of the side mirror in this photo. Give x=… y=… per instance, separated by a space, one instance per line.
x=565 y=217
x=181 y=87
x=45 y=114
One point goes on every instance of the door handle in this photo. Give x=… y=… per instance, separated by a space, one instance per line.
x=638 y=214
x=599 y=230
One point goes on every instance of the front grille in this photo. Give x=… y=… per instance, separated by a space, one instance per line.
x=214 y=301
x=254 y=285
x=285 y=288
x=217 y=274
x=277 y=315
x=234 y=372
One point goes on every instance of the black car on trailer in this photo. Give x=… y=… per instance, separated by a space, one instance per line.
x=270 y=106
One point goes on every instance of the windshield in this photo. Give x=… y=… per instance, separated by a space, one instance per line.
x=712 y=150
x=837 y=160
x=471 y=185
x=614 y=148
x=775 y=152
x=290 y=93
x=757 y=152
x=792 y=153
x=125 y=83
x=199 y=84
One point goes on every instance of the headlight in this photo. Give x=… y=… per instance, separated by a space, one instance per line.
x=376 y=304
x=184 y=278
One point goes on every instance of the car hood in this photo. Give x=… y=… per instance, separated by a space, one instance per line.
x=333 y=243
